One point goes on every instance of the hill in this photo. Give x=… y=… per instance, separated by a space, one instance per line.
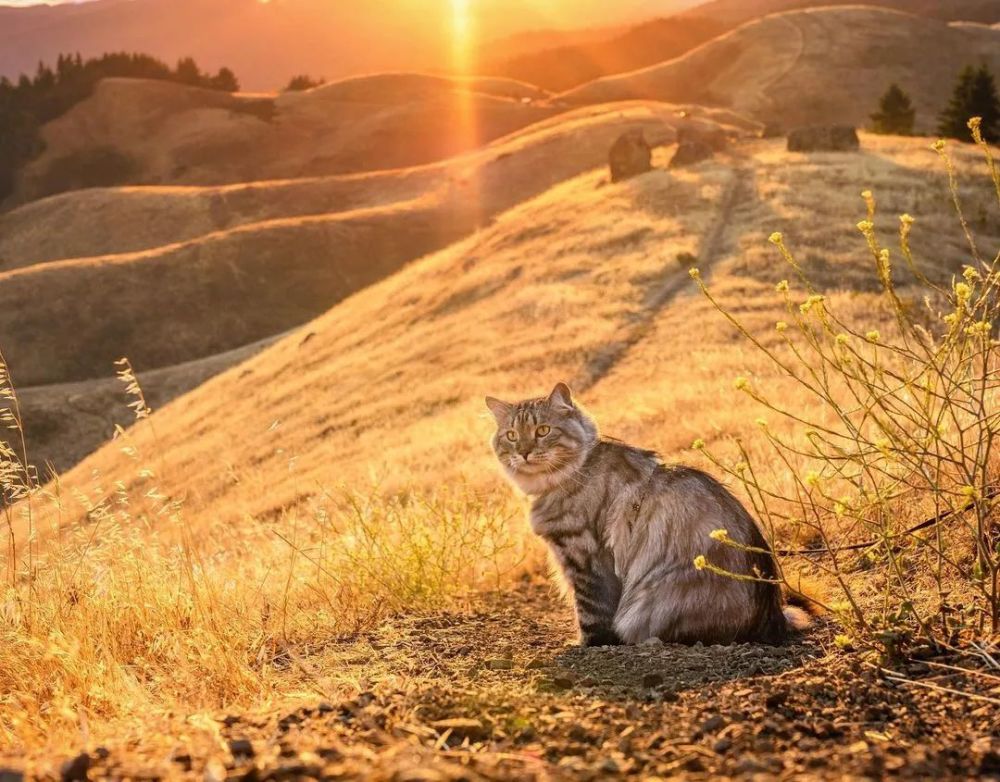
x=814 y=66
x=173 y=275
x=601 y=303
x=735 y=12
x=257 y=538
x=133 y=131
x=267 y=43
x=562 y=67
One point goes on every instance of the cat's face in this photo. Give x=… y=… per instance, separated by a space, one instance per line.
x=540 y=442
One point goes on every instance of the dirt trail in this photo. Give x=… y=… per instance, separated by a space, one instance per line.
x=674 y=282
x=498 y=691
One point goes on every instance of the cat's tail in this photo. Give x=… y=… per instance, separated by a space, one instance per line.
x=803 y=602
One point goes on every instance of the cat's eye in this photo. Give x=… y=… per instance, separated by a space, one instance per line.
x=542 y=430
x=511 y=435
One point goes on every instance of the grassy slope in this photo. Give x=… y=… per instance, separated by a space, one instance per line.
x=581 y=282
x=806 y=67
x=173 y=134
x=394 y=374
x=242 y=262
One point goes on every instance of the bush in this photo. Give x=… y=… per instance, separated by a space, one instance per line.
x=905 y=429
x=91 y=167
x=303 y=82
x=896 y=113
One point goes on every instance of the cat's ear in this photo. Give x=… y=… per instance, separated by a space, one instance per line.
x=561 y=396
x=500 y=410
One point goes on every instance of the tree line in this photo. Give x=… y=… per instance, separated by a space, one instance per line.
x=30 y=102
x=975 y=95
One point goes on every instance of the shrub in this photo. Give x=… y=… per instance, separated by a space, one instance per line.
x=90 y=167
x=904 y=429
x=303 y=82
x=896 y=113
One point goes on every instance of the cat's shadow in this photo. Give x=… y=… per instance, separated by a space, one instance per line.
x=656 y=672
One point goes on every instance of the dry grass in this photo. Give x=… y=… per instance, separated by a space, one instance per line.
x=257 y=278
x=211 y=607
x=175 y=134
x=814 y=66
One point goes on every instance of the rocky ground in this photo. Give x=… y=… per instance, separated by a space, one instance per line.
x=498 y=692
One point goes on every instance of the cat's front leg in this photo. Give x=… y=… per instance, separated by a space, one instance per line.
x=597 y=592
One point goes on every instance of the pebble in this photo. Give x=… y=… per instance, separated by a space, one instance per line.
x=241 y=748
x=76 y=769
x=462 y=727
x=500 y=664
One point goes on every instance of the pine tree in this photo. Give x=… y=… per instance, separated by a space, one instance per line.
x=975 y=96
x=225 y=80
x=896 y=113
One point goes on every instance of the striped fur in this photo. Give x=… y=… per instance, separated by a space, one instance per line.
x=625 y=530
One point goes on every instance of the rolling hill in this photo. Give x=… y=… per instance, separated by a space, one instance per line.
x=813 y=66
x=735 y=12
x=168 y=276
x=581 y=282
x=133 y=131
x=267 y=43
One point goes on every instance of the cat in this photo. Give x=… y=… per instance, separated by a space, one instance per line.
x=625 y=529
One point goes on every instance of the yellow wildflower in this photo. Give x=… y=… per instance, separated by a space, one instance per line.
x=782 y=287
x=776 y=238
x=781 y=326
x=873 y=336
x=741 y=384
x=698 y=444
x=700 y=563
x=720 y=535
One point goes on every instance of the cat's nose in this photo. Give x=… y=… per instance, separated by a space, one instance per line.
x=525 y=452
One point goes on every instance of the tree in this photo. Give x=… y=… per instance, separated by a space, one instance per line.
x=975 y=95
x=896 y=113
x=304 y=82
x=188 y=72
x=225 y=80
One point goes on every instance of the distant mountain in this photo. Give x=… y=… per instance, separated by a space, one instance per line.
x=563 y=67
x=818 y=65
x=734 y=12
x=562 y=60
x=267 y=42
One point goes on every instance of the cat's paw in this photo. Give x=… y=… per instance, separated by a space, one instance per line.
x=602 y=637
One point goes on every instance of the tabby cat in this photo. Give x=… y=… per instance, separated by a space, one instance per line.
x=625 y=530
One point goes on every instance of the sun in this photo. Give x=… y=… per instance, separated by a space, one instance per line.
x=461 y=35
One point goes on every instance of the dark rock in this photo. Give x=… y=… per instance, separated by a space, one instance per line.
x=690 y=152
x=500 y=664
x=776 y=699
x=772 y=130
x=990 y=763
x=713 y=724
x=722 y=746
x=11 y=775
x=630 y=156
x=241 y=748
x=76 y=769
x=824 y=138
x=710 y=135
x=652 y=680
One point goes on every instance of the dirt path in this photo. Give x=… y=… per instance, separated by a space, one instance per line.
x=674 y=282
x=497 y=691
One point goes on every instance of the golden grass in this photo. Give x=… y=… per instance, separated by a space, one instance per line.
x=219 y=557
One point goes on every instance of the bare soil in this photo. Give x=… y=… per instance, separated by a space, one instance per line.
x=498 y=691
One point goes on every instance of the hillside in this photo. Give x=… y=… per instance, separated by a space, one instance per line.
x=133 y=131
x=312 y=555
x=594 y=306
x=560 y=68
x=735 y=12
x=243 y=263
x=814 y=66
x=267 y=43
